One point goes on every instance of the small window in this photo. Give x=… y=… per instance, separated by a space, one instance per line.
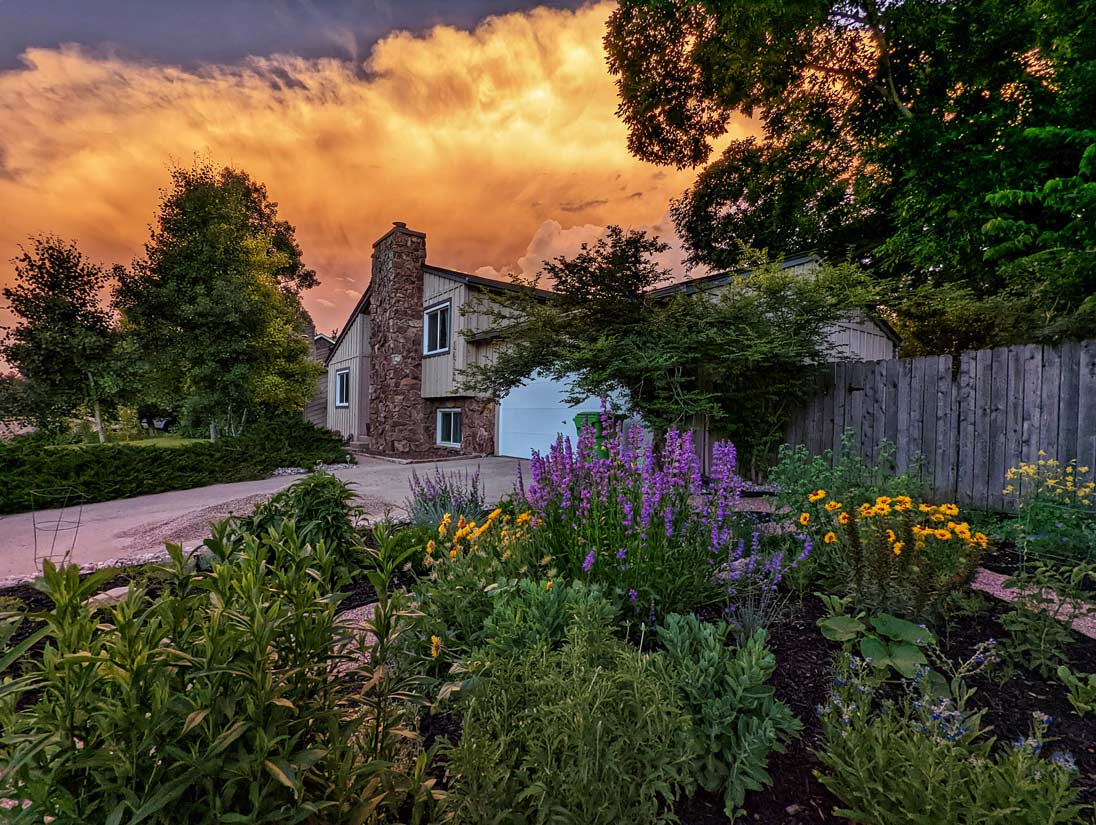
x=435 y=330
x=342 y=388
x=449 y=428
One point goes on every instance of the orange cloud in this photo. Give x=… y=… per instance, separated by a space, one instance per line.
x=501 y=143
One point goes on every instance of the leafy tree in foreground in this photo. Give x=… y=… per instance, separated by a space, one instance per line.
x=63 y=344
x=214 y=306
x=739 y=356
x=886 y=130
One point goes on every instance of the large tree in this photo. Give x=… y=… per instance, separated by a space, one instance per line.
x=739 y=356
x=888 y=131
x=214 y=305
x=63 y=343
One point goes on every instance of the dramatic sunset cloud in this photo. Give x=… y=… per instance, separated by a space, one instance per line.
x=501 y=143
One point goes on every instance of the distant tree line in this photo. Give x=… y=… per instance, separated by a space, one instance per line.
x=207 y=326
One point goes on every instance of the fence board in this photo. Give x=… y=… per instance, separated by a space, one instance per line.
x=1086 y=408
x=1068 y=402
x=998 y=427
x=968 y=368
x=969 y=422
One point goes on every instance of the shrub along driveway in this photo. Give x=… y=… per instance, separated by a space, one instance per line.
x=132 y=528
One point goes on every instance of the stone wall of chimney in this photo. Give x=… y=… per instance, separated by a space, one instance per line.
x=397 y=414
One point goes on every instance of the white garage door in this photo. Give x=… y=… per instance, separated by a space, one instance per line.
x=533 y=415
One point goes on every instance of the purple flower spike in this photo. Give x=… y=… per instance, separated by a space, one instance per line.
x=589 y=561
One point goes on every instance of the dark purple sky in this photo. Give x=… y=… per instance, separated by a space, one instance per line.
x=190 y=32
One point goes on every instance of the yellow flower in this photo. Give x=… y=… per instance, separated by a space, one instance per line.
x=830 y=537
x=890 y=536
x=443 y=528
x=833 y=505
x=525 y=517
x=548 y=585
x=494 y=514
x=804 y=519
x=903 y=503
x=435 y=646
x=980 y=539
x=942 y=534
x=453 y=552
x=843 y=518
x=817 y=495
x=429 y=547
x=880 y=509
x=926 y=508
x=898 y=547
x=883 y=500
x=505 y=555
x=949 y=509
x=866 y=511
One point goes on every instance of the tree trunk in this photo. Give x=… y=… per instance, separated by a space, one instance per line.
x=212 y=430
x=99 y=422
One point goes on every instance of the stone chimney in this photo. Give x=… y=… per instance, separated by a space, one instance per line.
x=396 y=411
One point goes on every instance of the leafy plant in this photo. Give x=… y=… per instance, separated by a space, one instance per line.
x=222 y=695
x=737 y=720
x=927 y=759
x=322 y=510
x=1056 y=520
x=640 y=522
x=893 y=554
x=1039 y=630
x=456 y=493
x=891 y=643
x=590 y=730
x=1082 y=689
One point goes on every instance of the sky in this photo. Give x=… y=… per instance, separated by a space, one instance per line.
x=489 y=125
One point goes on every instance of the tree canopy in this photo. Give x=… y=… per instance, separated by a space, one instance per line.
x=740 y=355
x=64 y=343
x=214 y=305
x=897 y=134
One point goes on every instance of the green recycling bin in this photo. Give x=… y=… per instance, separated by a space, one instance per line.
x=593 y=419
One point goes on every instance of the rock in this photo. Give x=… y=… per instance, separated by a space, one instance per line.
x=792 y=810
x=108 y=597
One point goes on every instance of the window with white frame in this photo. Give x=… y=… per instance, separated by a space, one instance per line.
x=342 y=388
x=449 y=428
x=435 y=329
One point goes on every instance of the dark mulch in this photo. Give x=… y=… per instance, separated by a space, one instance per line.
x=1009 y=704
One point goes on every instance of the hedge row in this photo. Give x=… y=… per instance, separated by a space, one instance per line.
x=113 y=471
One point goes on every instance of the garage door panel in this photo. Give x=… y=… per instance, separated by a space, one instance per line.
x=532 y=416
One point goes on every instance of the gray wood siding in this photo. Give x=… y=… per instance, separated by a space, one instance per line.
x=439 y=371
x=353 y=354
x=961 y=426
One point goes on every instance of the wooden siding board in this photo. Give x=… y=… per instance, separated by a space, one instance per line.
x=1029 y=436
x=1014 y=420
x=968 y=368
x=944 y=461
x=902 y=440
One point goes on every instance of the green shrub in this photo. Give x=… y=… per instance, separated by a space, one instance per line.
x=798 y=472
x=322 y=510
x=588 y=731
x=215 y=700
x=113 y=471
x=737 y=720
x=926 y=760
x=1056 y=519
x=1038 y=626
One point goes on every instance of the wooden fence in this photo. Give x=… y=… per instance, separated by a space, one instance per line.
x=961 y=426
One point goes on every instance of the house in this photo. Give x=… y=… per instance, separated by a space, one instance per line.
x=393 y=372
x=315 y=411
